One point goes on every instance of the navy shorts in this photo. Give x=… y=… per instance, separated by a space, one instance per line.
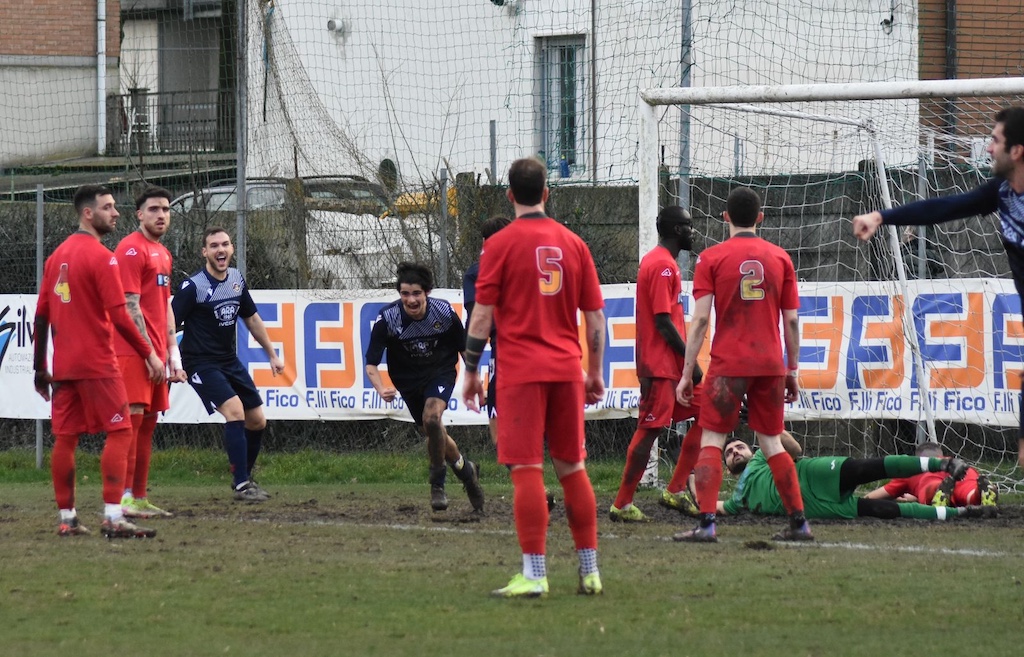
x=217 y=383
x=415 y=397
x=492 y=396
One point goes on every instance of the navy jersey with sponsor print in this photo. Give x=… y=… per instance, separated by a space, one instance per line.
x=208 y=309
x=418 y=349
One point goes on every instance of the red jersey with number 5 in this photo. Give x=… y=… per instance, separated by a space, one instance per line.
x=537 y=273
x=752 y=281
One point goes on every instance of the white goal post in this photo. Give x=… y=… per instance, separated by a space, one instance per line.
x=652 y=98
x=805 y=104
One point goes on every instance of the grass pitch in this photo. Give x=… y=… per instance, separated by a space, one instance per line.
x=363 y=567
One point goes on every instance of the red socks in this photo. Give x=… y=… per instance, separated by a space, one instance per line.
x=709 y=478
x=637 y=456
x=530 y=508
x=689 y=452
x=62 y=470
x=580 y=509
x=137 y=475
x=113 y=463
x=129 y=473
x=784 y=473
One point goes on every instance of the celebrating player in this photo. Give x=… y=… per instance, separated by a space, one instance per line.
x=81 y=298
x=423 y=336
x=1003 y=193
x=535 y=275
x=751 y=283
x=208 y=305
x=659 y=362
x=145 y=266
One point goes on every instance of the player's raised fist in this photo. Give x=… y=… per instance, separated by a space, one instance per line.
x=865 y=225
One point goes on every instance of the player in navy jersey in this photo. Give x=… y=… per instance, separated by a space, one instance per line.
x=208 y=306
x=423 y=337
x=1002 y=194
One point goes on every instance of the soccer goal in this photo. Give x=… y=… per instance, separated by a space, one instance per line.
x=914 y=336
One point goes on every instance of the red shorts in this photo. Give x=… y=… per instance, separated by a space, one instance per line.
x=533 y=412
x=766 y=398
x=154 y=396
x=89 y=406
x=658 y=405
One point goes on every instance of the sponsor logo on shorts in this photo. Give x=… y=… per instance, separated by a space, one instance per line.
x=196 y=380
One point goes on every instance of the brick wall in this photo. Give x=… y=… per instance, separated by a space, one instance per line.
x=988 y=43
x=56 y=28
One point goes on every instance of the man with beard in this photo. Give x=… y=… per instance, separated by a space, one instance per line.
x=208 y=305
x=145 y=266
x=1002 y=194
x=82 y=300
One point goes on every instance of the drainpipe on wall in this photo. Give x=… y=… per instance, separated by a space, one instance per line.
x=951 y=63
x=593 y=91
x=101 y=76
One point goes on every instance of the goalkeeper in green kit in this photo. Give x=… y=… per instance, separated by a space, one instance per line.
x=827 y=484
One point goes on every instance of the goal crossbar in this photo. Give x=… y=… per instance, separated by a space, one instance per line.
x=791 y=93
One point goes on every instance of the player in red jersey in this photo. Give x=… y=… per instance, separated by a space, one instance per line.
x=751 y=283
x=535 y=275
x=938 y=488
x=145 y=266
x=81 y=298
x=659 y=363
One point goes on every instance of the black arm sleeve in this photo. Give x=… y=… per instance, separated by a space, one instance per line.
x=979 y=201
x=378 y=343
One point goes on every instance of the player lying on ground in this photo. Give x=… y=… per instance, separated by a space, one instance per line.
x=938 y=488
x=828 y=484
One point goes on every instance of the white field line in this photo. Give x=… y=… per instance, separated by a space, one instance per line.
x=828 y=545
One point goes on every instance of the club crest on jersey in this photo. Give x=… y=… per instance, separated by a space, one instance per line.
x=437 y=325
x=226 y=313
x=237 y=287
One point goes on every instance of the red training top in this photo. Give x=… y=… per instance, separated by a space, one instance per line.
x=146 y=270
x=753 y=281
x=658 y=290
x=81 y=283
x=537 y=273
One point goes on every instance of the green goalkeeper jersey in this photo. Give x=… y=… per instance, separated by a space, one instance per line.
x=819 y=486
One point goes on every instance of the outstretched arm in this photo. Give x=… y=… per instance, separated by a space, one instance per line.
x=980 y=200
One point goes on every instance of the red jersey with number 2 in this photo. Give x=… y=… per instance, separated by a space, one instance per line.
x=753 y=282
x=537 y=273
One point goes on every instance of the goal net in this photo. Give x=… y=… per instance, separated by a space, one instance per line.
x=916 y=335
